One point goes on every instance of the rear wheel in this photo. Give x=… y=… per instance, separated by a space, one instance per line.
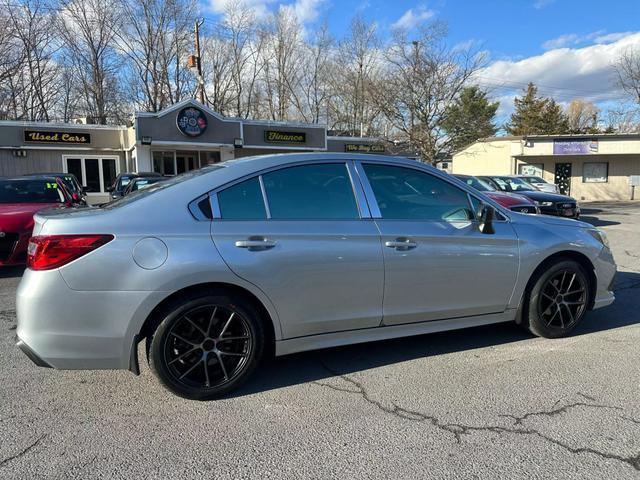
x=558 y=299
x=207 y=346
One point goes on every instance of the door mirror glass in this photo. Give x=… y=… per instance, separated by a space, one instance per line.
x=486 y=216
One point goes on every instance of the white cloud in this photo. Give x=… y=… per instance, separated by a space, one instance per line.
x=306 y=10
x=572 y=39
x=412 y=18
x=562 y=73
x=540 y=4
x=611 y=37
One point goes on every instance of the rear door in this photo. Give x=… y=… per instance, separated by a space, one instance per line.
x=438 y=265
x=300 y=235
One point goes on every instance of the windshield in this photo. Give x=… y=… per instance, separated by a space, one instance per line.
x=156 y=187
x=533 y=179
x=30 y=191
x=140 y=183
x=509 y=184
x=478 y=184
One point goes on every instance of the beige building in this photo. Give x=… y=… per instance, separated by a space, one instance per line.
x=594 y=167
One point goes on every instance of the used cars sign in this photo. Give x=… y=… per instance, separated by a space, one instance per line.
x=46 y=136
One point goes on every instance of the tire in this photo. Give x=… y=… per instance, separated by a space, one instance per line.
x=557 y=299
x=206 y=345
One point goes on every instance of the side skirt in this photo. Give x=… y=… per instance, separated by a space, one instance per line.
x=326 y=340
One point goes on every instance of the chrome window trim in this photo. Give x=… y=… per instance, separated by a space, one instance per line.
x=264 y=197
x=368 y=191
x=358 y=190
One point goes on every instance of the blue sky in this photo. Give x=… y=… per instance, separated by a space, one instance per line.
x=565 y=46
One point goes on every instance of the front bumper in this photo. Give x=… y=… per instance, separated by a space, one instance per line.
x=605 y=270
x=70 y=329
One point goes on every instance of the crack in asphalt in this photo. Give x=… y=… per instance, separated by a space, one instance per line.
x=22 y=452
x=458 y=430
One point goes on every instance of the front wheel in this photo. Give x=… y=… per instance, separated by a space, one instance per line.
x=207 y=346
x=558 y=299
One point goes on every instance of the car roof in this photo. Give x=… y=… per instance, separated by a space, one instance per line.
x=50 y=178
x=140 y=174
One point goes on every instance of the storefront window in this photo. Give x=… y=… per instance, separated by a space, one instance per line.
x=531 y=169
x=595 y=172
x=164 y=163
x=94 y=173
x=108 y=172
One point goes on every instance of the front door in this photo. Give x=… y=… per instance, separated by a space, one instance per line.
x=306 y=247
x=438 y=265
x=563 y=178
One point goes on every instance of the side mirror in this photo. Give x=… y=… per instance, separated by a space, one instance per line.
x=486 y=216
x=75 y=197
x=110 y=189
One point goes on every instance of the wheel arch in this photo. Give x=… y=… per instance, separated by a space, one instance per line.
x=576 y=256
x=151 y=321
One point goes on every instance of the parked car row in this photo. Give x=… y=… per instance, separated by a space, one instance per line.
x=516 y=193
x=22 y=197
x=128 y=182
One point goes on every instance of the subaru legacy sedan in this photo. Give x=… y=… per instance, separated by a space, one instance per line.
x=216 y=268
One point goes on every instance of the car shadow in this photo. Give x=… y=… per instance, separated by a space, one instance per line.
x=598 y=222
x=317 y=365
x=12 y=272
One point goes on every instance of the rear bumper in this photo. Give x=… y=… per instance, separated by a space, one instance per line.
x=33 y=356
x=69 y=329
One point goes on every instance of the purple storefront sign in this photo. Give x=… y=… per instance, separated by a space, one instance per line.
x=574 y=147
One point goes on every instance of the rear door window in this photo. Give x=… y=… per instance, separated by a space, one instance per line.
x=311 y=192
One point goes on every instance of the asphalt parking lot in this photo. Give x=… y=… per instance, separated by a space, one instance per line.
x=488 y=402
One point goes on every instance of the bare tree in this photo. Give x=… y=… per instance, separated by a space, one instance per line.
x=88 y=28
x=423 y=78
x=353 y=110
x=155 y=39
x=34 y=84
x=245 y=45
x=582 y=116
x=314 y=89
x=628 y=73
x=281 y=62
x=217 y=73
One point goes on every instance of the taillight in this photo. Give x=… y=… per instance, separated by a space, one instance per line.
x=47 y=252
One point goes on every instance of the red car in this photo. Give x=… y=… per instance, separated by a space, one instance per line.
x=512 y=201
x=20 y=199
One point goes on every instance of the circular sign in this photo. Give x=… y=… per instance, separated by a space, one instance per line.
x=191 y=121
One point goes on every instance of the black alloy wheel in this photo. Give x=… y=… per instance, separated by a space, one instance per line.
x=558 y=299
x=207 y=347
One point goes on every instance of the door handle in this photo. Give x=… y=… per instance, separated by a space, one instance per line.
x=256 y=244
x=401 y=244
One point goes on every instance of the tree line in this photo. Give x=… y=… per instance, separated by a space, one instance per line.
x=100 y=60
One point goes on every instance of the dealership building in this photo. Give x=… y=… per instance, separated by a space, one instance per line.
x=183 y=137
x=589 y=168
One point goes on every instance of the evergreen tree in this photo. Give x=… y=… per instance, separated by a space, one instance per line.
x=527 y=116
x=553 y=120
x=535 y=115
x=469 y=118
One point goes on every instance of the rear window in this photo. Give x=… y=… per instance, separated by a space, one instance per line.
x=30 y=191
x=145 y=192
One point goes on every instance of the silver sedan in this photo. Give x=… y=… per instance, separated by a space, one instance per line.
x=216 y=268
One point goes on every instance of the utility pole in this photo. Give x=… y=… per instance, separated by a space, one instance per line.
x=198 y=24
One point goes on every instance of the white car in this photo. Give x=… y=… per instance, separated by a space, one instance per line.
x=539 y=183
